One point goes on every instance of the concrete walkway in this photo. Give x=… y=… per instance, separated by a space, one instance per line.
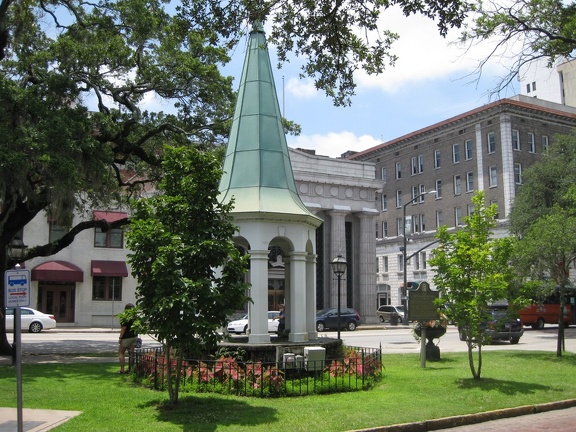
x=33 y=420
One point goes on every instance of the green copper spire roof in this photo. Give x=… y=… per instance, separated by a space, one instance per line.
x=257 y=168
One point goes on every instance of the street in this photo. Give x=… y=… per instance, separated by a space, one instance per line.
x=393 y=339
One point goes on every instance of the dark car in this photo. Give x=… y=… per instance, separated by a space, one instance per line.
x=500 y=324
x=328 y=319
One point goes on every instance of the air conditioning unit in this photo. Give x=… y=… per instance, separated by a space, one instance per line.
x=314 y=358
x=289 y=361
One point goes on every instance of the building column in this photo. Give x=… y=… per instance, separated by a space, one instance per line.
x=479 y=156
x=258 y=310
x=311 y=296
x=507 y=164
x=337 y=247
x=365 y=294
x=297 y=306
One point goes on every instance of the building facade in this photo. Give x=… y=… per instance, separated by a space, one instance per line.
x=88 y=283
x=486 y=149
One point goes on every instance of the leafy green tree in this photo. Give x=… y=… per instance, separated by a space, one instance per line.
x=544 y=254
x=546 y=184
x=542 y=218
x=76 y=79
x=540 y=28
x=472 y=270
x=190 y=274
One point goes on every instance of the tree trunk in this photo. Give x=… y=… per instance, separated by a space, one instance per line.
x=5 y=347
x=560 y=341
x=169 y=381
x=475 y=372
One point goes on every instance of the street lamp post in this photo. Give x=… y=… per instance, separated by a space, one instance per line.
x=404 y=251
x=339 y=265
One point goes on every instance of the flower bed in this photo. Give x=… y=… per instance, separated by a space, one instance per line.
x=358 y=369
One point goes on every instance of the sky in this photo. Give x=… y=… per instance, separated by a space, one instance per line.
x=430 y=82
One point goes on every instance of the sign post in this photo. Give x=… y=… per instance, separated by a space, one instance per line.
x=423 y=308
x=17 y=294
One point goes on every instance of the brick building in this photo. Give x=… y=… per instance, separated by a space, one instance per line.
x=487 y=149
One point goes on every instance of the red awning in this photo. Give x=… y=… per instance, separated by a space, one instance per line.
x=109 y=268
x=57 y=271
x=110 y=216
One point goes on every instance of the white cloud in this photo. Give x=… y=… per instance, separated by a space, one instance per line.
x=333 y=144
x=303 y=88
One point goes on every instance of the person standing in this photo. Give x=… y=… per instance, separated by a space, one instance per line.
x=281 y=321
x=127 y=339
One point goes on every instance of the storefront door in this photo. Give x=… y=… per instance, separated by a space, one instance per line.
x=58 y=300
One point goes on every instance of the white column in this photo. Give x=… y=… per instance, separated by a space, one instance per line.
x=507 y=164
x=258 y=309
x=311 y=296
x=479 y=157
x=297 y=307
x=337 y=246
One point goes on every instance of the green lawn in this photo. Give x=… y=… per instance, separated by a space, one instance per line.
x=112 y=402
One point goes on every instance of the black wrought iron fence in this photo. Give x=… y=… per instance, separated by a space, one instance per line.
x=358 y=369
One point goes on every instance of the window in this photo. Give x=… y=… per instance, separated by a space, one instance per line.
x=439 y=218
x=416 y=262
x=456 y=153
x=468 y=149
x=399 y=227
x=531 y=143
x=493 y=176
x=384 y=174
x=107 y=288
x=491 y=139
x=469 y=182
x=438 y=189
x=417 y=165
x=384 y=202
x=515 y=139
x=517 y=173
x=437 y=159
x=398 y=199
x=113 y=238
x=385 y=263
x=544 y=143
x=400 y=263
x=457 y=185
x=423 y=259
x=457 y=216
x=415 y=193
x=56 y=232
x=398 y=170
x=469 y=209
x=527 y=88
x=418 y=223
x=385 y=229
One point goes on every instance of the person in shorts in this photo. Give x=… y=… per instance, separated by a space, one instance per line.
x=126 y=341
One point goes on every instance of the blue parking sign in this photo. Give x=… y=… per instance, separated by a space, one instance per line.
x=17 y=288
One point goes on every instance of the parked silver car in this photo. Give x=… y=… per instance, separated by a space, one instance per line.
x=392 y=314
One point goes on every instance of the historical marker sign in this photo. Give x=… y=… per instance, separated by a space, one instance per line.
x=421 y=306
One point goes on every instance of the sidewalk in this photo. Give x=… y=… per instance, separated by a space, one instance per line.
x=34 y=420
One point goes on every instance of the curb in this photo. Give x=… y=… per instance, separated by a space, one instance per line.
x=469 y=419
